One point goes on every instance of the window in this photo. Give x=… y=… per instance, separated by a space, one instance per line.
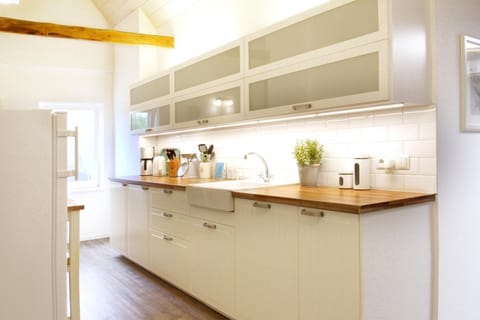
x=89 y=120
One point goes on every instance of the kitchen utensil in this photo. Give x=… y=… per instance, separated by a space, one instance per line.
x=202 y=148
x=210 y=149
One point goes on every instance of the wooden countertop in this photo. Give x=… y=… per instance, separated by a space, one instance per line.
x=161 y=182
x=72 y=206
x=327 y=198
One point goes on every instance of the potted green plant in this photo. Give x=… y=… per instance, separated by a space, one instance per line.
x=308 y=154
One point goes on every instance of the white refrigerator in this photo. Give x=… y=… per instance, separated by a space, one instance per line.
x=33 y=215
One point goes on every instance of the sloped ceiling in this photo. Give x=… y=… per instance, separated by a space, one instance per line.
x=158 y=11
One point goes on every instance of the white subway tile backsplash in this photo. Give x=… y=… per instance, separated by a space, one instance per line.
x=420 y=183
x=420 y=148
x=419 y=115
x=410 y=131
x=428 y=131
x=403 y=132
x=374 y=134
x=428 y=166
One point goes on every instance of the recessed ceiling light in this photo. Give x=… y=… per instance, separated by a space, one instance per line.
x=9 y=1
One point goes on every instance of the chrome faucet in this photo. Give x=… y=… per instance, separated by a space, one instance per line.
x=265 y=175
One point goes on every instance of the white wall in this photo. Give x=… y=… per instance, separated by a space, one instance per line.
x=458 y=171
x=37 y=69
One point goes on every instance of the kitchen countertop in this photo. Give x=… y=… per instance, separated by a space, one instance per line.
x=327 y=198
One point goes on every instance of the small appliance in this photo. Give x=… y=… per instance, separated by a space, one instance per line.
x=361 y=173
x=146 y=161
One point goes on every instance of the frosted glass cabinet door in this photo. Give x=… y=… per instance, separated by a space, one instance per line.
x=156 y=88
x=146 y=121
x=348 y=21
x=209 y=108
x=359 y=76
x=220 y=65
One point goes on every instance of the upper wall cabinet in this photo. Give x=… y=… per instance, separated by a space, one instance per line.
x=343 y=54
x=150 y=89
x=332 y=27
x=215 y=105
x=154 y=116
x=220 y=66
x=351 y=77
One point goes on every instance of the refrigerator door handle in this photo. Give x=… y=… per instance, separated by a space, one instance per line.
x=66 y=134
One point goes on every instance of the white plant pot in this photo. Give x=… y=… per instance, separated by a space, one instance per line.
x=309 y=175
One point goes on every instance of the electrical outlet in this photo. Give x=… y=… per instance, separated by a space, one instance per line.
x=402 y=162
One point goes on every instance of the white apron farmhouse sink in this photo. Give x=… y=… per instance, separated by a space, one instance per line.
x=218 y=195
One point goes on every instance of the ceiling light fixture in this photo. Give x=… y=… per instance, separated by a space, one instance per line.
x=9 y=1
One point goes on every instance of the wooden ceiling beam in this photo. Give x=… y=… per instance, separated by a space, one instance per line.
x=83 y=33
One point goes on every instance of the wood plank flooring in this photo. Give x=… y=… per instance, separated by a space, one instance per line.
x=112 y=287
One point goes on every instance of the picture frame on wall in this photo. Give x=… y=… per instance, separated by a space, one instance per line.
x=470 y=83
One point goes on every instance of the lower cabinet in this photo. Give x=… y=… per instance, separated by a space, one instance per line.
x=329 y=265
x=137 y=224
x=212 y=262
x=118 y=219
x=266 y=259
x=169 y=258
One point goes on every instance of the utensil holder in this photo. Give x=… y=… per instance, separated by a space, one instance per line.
x=205 y=170
x=173 y=166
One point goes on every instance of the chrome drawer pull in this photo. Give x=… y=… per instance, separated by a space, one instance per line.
x=124 y=184
x=144 y=188
x=148 y=130
x=168 y=238
x=209 y=225
x=305 y=212
x=262 y=205
x=167 y=215
x=167 y=191
x=200 y=122
x=300 y=107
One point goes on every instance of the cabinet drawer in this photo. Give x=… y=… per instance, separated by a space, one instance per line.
x=170 y=222
x=169 y=258
x=169 y=200
x=213 y=215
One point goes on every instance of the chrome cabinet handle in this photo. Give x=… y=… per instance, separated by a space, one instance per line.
x=205 y=121
x=124 y=184
x=301 y=107
x=144 y=188
x=306 y=212
x=262 y=205
x=167 y=191
x=148 y=130
x=209 y=225
x=167 y=215
x=168 y=238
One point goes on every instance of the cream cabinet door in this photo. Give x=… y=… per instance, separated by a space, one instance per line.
x=169 y=258
x=329 y=265
x=137 y=224
x=212 y=263
x=266 y=256
x=118 y=218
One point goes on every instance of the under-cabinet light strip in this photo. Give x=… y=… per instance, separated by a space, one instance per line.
x=288 y=118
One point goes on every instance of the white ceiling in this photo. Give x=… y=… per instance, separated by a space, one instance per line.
x=158 y=11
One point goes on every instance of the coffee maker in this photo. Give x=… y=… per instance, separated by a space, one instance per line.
x=146 y=161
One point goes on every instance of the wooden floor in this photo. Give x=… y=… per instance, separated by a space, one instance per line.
x=112 y=287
